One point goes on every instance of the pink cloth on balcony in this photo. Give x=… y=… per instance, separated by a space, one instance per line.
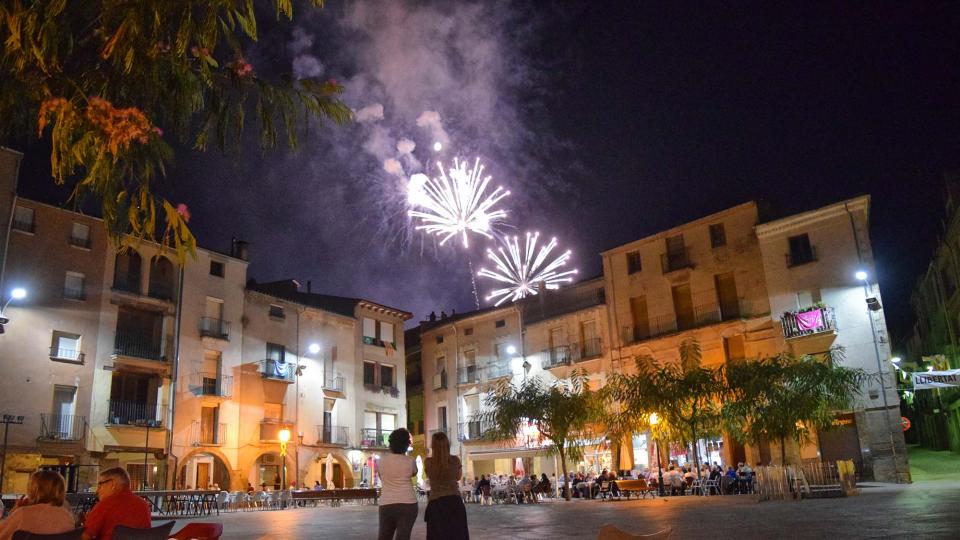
x=810 y=320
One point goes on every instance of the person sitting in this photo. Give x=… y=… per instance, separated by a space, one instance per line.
x=614 y=488
x=117 y=506
x=523 y=487
x=41 y=510
x=543 y=487
x=317 y=486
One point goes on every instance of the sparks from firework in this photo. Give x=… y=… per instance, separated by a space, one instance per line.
x=524 y=271
x=456 y=202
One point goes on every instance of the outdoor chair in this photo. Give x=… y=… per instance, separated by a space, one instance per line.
x=160 y=532
x=72 y=535
x=604 y=491
x=223 y=501
x=676 y=485
x=199 y=531
x=285 y=499
x=609 y=532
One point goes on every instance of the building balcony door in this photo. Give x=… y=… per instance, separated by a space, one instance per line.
x=727 y=296
x=683 y=307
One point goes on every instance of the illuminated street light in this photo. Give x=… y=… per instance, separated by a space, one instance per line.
x=284 y=437
x=314 y=348
x=860 y=275
x=654 y=420
x=511 y=349
x=18 y=294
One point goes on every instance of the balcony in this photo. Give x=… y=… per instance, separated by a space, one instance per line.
x=74 y=293
x=473 y=430
x=498 y=369
x=809 y=322
x=80 y=242
x=270 y=429
x=376 y=342
x=135 y=413
x=801 y=256
x=23 y=225
x=556 y=356
x=211 y=385
x=215 y=328
x=374 y=438
x=278 y=370
x=440 y=381
x=127 y=282
x=63 y=353
x=591 y=348
x=468 y=375
x=671 y=262
x=333 y=435
x=703 y=315
x=134 y=345
x=207 y=435
x=333 y=382
x=62 y=427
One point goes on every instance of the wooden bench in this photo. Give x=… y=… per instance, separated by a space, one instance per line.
x=339 y=495
x=639 y=487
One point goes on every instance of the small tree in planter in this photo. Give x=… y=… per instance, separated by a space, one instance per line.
x=784 y=397
x=562 y=413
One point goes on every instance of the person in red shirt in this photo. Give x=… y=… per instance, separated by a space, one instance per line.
x=117 y=505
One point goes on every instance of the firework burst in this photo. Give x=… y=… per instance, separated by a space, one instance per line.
x=523 y=271
x=456 y=202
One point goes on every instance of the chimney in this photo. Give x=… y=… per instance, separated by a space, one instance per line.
x=309 y=286
x=239 y=249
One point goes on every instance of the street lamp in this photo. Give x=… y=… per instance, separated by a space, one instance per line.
x=654 y=420
x=18 y=293
x=314 y=348
x=511 y=349
x=874 y=305
x=284 y=437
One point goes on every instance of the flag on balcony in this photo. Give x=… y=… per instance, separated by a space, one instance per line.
x=810 y=320
x=388 y=348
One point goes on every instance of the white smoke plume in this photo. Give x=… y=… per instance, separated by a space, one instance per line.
x=430 y=120
x=370 y=113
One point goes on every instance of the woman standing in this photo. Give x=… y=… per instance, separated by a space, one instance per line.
x=446 y=516
x=398 y=502
x=41 y=511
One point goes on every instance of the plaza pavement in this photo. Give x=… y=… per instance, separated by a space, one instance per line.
x=921 y=510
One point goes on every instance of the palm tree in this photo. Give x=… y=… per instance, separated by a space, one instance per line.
x=685 y=395
x=561 y=411
x=783 y=397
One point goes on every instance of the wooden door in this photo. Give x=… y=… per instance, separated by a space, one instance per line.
x=683 y=306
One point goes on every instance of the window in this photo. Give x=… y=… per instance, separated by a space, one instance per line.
x=276 y=311
x=634 y=264
x=500 y=323
x=377 y=332
x=80 y=236
x=439 y=340
x=718 y=236
x=442 y=418
x=23 y=219
x=216 y=268
x=468 y=331
x=65 y=346
x=499 y=350
x=734 y=348
x=73 y=286
x=801 y=252
x=276 y=352
x=386 y=375
x=369 y=374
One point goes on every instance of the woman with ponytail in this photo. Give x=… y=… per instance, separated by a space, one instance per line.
x=446 y=516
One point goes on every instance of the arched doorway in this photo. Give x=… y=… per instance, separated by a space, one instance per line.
x=317 y=471
x=203 y=470
x=268 y=471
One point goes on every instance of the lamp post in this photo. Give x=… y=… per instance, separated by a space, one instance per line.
x=284 y=437
x=18 y=293
x=874 y=305
x=654 y=420
x=6 y=421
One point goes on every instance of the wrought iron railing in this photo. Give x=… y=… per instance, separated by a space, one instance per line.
x=64 y=353
x=137 y=346
x=328 y=434
x=671 y=262
x=591 y=348
x=556 y=356
x=211 y=384
x=440 y=380
x=468 y=375
x=810 y=322
x=23 y=225
x=500 y=368
x=333 y=382
x=127 y=282
x=472 y=430
x=74 y=293
x=215 y=328
x=374 y=438
x=62 y=427
x=135 y=413
x=200 y=435
x=277 y=370
x=80 y=241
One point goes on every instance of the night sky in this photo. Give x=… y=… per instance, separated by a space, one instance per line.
x=607 y=121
